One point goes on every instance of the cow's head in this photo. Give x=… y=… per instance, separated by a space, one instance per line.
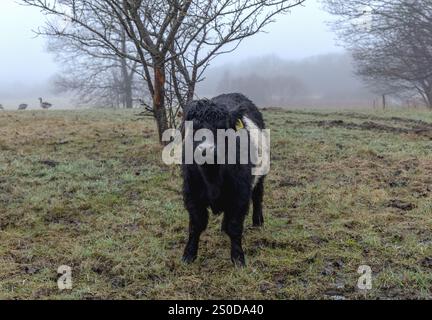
x=207 y=118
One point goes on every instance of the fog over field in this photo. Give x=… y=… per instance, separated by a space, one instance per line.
x=298 y=52
x=319 y=81
x=26 y=69
x=215 y=149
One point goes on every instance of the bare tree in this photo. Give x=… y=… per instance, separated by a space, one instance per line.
x=174 y=40
x=95 y=76
x=391 y=42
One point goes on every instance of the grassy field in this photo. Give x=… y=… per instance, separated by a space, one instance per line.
x=87 y=189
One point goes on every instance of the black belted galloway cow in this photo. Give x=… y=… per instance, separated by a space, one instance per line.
x=224 y=187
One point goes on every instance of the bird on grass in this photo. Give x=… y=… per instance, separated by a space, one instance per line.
x=23 y=106
x=44 y=105
x=1 y=107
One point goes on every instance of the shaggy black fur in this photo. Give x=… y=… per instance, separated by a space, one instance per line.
x=223 y=188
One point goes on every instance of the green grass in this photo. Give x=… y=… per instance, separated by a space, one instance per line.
x=111 y=210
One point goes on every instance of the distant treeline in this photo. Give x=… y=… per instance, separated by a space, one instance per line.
x=321 y=81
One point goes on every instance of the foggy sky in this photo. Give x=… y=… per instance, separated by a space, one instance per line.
x=25 y=67
x=300 y=34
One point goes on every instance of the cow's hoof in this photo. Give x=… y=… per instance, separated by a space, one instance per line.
x=189 y=258
x=258 y=221
x=239 y=262
x=258 y=224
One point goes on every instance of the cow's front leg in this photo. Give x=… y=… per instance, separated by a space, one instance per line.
x=198 y=220
x=233 y=226
x=257 y=199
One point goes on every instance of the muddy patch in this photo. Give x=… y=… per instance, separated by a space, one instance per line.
x=49 y=163
x=368 y=125
x=401 y=205
x=290 y=182
x=354 y=115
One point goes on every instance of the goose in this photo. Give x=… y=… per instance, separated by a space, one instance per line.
x=44 y=105
x=23 y=106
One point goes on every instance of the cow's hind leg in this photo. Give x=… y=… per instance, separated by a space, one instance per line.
x=233 y=226
x=257 y=199
x=198 y=220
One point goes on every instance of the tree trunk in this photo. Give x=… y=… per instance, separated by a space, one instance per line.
x=384 y=102
x=159 y=99
x=429 y=100
x=127 y=87
x=127 y=79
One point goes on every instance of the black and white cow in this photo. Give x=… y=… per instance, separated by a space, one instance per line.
x=223 y=188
